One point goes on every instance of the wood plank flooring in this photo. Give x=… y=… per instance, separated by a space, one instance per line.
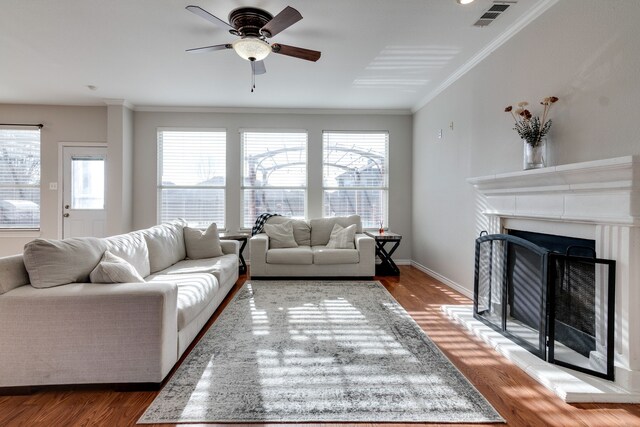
x=520 y=400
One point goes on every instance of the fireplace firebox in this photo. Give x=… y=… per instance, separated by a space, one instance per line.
x=550 y=295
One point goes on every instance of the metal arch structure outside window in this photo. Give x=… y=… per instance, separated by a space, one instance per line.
x=20 y=178
x=356 y=176
x=274 y=174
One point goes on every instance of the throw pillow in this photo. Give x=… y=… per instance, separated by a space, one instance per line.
x=280 y=235
x=202 y=244
x=341 y=237
x=113 y=269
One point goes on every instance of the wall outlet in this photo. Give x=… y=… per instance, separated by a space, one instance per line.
x=53 y=186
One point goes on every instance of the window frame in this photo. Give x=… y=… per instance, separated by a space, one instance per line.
x=244 y=187
x=4 y=230
x=384 y=188
x=160 y=187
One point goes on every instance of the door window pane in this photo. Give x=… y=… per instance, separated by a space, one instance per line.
x=87 y=183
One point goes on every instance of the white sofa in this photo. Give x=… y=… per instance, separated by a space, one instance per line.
x=106 y=333
x=312 y=258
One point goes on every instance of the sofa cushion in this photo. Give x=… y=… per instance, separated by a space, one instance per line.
x=321 y=227
x=166 y=244
x=132 y=247
x=195 y=292
x=58 y=262
x=328 y=256
x=13 y=274
x=280 y=235
x=301 y=229
x=342 y=237
x=225 y=267
x=299 y=255
x=201 y=244
x=113 y=269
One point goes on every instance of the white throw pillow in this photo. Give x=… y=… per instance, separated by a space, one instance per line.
x=113 y=269
x=341 y=237
x=280 y=235
x=202 y=244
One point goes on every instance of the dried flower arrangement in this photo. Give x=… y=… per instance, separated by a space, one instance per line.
x=532 y=128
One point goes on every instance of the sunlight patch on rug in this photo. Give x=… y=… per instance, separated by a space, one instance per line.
x=317 y=351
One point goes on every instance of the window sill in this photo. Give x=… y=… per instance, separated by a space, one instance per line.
x=19 y=233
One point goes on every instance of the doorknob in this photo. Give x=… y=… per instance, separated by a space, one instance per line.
x=66 y=206
x=66 y=215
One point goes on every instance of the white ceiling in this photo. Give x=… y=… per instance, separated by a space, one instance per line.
x=376 y=54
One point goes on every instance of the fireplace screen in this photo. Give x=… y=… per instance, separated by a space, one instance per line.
x=559 y=306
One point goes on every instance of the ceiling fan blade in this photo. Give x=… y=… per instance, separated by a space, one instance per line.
x=286 y=18
x=206 y=15
x=210 y=48
x=258 y=67
x=296 y=52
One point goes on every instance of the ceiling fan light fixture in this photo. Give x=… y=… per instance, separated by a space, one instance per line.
x=464 y=1
x=251 y=48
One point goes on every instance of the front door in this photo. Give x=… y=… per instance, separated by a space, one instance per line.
x=83 y=192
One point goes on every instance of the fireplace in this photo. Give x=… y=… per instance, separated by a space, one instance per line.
x=551 y=295
x=598 y=201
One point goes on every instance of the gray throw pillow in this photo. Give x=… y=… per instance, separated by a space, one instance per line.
x=280 y=235
x=341 y=237
x=113 y=269
x=202 y=244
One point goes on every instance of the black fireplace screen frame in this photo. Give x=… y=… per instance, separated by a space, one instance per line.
x=546 y=304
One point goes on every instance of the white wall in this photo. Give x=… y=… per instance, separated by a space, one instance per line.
x=586 y=52
x=400 y=136
x=61 y=124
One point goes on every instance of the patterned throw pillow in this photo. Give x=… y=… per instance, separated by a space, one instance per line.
x=341 y=237
x=202 y=244
x=280 y=235
x=113 y=269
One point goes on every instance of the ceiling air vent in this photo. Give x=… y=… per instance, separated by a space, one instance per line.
x=498 y=8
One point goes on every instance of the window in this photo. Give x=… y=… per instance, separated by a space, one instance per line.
x=19 y=179
x=192 y=176
x=274 y=174
x=355 y=175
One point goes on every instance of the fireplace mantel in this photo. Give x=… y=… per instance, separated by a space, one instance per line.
x=599 y=200
x=595 y=192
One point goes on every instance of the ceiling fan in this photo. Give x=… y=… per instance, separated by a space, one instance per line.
x=254 y=26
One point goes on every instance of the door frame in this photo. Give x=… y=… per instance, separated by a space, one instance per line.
x=60 y=189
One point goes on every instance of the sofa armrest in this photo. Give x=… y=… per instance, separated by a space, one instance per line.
x=258 y=246
x=366 y=246
x=230 y=247
x=88 y=333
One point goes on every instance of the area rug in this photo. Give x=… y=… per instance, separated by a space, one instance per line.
x=317 y=351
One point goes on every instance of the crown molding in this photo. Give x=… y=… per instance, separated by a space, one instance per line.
x=511 y=31
x=250 y=110
x=118 y=102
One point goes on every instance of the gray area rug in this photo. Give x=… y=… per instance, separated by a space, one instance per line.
x=315 y=351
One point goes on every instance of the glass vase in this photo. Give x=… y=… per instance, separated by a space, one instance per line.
x=534 y=157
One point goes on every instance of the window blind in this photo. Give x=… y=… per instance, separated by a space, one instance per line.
x=274 y=174
x=192 y=176
x=355 y=175
x=19 y=178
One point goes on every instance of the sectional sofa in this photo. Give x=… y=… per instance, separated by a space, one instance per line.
x=310 y=255
x=59 y=328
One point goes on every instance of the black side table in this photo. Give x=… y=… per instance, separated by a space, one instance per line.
x=242 y=238
x=386 y=267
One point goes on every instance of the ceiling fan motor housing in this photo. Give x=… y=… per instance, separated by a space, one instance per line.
x=248 y=21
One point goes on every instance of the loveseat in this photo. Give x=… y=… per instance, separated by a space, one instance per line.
x=57 y=327
x=311 y=253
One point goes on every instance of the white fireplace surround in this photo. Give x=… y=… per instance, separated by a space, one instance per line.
x=598 y=200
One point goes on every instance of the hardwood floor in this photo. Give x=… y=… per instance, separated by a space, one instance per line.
x=520 y=400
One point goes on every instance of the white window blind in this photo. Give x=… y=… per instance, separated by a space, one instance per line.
x=192 y=176
x=356 y=175
x=19 y=179
x=274 y=174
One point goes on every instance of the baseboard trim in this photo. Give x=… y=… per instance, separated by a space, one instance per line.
x=445 y=280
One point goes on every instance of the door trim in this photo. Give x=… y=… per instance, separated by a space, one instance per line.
x=60 y=201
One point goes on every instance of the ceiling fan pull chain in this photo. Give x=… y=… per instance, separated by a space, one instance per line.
x=253 y=76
